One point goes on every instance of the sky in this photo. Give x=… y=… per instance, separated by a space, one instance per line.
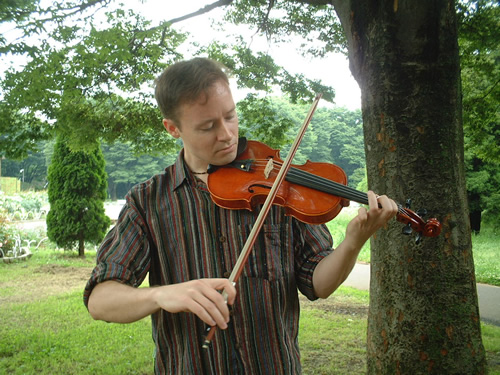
x=333 y=70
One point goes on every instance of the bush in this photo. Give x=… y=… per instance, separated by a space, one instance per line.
x=77 y=190
x=25 y=205
x=6 y=233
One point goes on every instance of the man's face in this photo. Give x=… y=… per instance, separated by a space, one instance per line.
x=208 y=128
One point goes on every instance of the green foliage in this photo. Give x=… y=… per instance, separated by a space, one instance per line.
x=258 y=71
x=340 y=133
x=6 y=233
x=77 y=190
x=260 y=119
x=126 y=169
x=479 y=39
x=93 y=73
x=318 y=25
x=20 y=132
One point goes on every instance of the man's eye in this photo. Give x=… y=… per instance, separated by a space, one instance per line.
x=207 y=128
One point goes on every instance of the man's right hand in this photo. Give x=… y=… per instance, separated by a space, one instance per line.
x=112 y=301
x=201 y=297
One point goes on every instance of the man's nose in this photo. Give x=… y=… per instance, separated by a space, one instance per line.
x=225 y=130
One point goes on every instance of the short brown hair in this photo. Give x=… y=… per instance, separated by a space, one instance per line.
x=184 y=81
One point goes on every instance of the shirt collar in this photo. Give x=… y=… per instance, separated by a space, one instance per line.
x=181 y=172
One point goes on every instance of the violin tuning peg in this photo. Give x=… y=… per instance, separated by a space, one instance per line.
x=422 y=212
x=407 y=229
x=418 y=238
x=408 y=203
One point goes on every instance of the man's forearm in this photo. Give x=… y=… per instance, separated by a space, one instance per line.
x=332 y=271
x=112 y=301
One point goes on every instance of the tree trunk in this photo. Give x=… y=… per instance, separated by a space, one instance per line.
x=424 y=315
x=81 y=245
x=475 y=212
x=112 y=190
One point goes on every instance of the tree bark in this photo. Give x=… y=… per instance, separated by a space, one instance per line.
x=81 y=245
x=424 y=315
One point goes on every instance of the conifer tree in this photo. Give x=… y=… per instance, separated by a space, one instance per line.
x=77 y=190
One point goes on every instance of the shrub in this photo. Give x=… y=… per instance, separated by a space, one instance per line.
x=77 y=190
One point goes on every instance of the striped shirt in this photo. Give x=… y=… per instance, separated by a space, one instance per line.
x=170 y=228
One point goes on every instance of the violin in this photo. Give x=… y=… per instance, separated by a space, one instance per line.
x=313 y=193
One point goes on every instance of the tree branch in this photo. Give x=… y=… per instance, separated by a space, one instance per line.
x=205 y=9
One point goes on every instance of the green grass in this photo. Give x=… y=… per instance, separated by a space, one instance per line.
x=56 y=335
x=486 y=260
x=332 y=343
x=45 y=329
x=484 y=247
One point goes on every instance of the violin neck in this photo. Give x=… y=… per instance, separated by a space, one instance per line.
x=303 y=178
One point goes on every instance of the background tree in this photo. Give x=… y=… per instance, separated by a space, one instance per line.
x=77 y=190
x=35 y=170
x=340 y=134
x=479 y=39
x=124 y=169
x=93 y=74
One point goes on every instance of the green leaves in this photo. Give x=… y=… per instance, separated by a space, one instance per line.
x=77 y=190
x=258 y=71
x=90 y=82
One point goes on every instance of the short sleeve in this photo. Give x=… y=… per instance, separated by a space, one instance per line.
x=124 y=255
x=312 y=244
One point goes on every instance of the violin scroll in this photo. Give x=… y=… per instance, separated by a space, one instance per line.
x=414 y=222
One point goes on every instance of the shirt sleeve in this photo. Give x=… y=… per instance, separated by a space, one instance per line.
x=124 y=255
x=312 y=244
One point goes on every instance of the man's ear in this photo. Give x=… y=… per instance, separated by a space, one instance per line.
x=171 y=128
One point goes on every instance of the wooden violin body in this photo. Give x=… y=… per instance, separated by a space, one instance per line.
x=246 y=182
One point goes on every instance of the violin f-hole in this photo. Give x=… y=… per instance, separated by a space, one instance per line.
x=251 y=190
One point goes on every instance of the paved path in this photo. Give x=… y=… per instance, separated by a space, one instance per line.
x=489 y=296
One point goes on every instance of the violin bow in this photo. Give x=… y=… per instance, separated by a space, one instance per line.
x=252 y=237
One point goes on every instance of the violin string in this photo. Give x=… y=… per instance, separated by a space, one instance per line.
x=328 y=186
x=331 y=186
x=321 y=183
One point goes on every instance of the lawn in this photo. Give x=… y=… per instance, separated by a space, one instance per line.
x=46 y=329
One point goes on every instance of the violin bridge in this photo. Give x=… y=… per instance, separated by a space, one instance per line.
x=269 y=168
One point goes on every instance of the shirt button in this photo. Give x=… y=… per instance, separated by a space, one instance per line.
x=227 y=274
x=222 y=239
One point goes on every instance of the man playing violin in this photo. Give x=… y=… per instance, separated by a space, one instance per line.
x=170 y=228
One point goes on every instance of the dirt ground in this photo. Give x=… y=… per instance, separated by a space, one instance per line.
x=51 y=280
x=45 y=281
